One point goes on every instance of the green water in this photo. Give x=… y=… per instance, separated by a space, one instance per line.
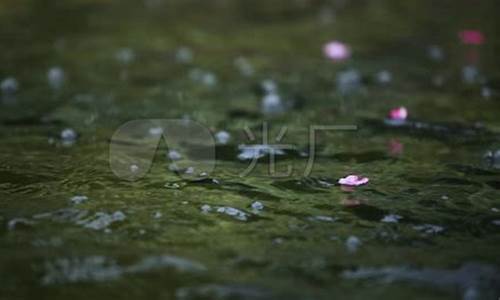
x=439 y=177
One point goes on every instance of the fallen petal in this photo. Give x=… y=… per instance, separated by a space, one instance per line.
x=353 y=180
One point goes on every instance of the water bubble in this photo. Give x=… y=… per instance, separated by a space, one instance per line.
x=352 y=243
x=470 y=74
x=56 y=77
x=269 y=86
x=134 y=168
x=348 y=81
x=435 y=53
x=75 y=200
x=222 y=137
x=383 y=77
x=184 y=55
x=174 y=155
x=155 y=131
x=244 y=66
x=257 y=206
x=9 y=86
x=272 y=104
x=68 y=134
x=189 y=170
x=206 y=208
x=125 y=56
x=203 y=77
x=102 y=220
x=391 y=219
x=486 y=92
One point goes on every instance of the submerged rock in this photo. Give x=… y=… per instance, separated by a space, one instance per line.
x=429 y=229
x=165 y=261
x=71 y=270
x=233 y=212
x=102 y=268
x=102 y=220
x=18 y=223
x=449 y=132
x=322 y=218
x=492 y=158
x=50 y=242
x=222 y=292
x=63 y=215
x=475 y=281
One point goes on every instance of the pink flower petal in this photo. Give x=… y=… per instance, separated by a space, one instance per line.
x=353 y=180
x=399 y=113
x=336 y=51
x=471 y=37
